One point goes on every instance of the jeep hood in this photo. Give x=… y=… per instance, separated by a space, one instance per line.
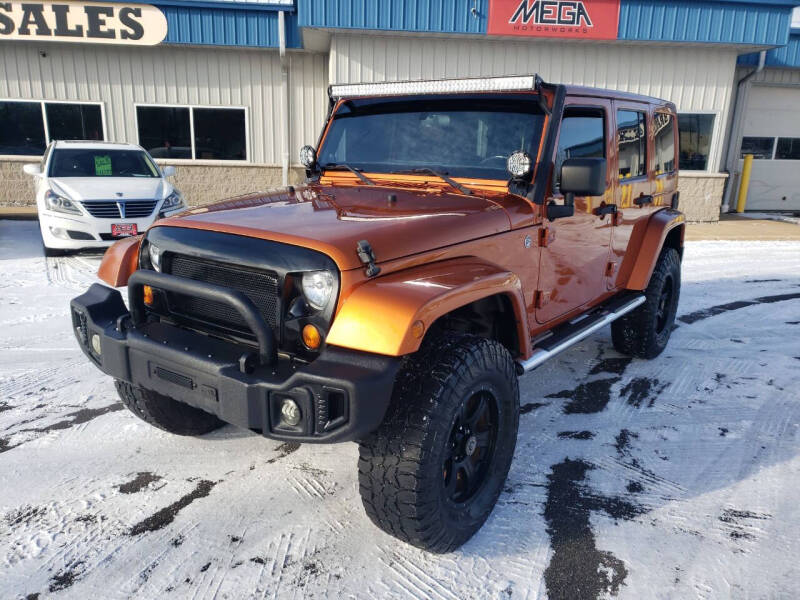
x=397 y=222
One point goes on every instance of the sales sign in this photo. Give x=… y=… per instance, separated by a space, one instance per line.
x=88 y=22
x=574 y=19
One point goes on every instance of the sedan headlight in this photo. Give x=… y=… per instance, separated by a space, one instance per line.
x=173 y=201
x=318 y=288
x=60 y=204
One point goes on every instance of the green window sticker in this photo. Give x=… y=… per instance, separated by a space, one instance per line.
x=102 y=165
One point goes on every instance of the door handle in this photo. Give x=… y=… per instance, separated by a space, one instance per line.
x=605 y=209
x=642 y=200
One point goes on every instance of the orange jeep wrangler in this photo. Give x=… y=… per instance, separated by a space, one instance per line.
x=451 y=236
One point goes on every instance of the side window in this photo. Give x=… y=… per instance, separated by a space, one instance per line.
x=788 y=149
x=582 y=135
x=664 y=126
x=632 y=143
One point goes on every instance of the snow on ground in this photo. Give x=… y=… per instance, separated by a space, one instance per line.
x=675 y=478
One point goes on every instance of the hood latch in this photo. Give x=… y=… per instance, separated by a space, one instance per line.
x=367 y=256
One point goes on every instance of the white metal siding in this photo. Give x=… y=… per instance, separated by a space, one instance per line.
x=120 y=77
x=695 y=79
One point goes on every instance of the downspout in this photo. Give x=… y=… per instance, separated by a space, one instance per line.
x=284 y=98
x=735 y=143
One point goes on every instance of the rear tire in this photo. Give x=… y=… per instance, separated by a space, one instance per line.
x=431 y=474
x=644 y=332
x=164 y=412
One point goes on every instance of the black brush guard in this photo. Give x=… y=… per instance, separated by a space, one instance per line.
x=342 y=395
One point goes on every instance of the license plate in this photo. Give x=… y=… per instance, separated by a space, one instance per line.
x=124 y=229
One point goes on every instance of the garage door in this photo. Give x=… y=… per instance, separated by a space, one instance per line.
x=772 y=135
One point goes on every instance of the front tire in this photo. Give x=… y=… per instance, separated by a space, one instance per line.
x=644 y=332
x=431 y=474
x=164 y=412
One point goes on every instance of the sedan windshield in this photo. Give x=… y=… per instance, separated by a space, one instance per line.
x=102 y=163
x=460 y=136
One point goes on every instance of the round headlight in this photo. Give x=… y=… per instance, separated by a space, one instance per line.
x=519 y=164
x=318 y=288
x=154 y=252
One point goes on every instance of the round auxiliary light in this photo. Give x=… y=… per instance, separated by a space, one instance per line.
x=311 y=337
x=519 y=164
x=154 y=252
x=308 y=156
x=290 y=413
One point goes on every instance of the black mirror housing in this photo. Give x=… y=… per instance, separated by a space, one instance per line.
x=583 y=176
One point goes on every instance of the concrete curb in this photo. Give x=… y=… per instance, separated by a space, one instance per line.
x=19 y=213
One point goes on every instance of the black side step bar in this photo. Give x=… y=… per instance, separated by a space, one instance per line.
x=268 y=351
x=576 y=331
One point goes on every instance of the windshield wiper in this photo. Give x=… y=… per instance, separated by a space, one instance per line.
x=443 y=176
x=364 y=178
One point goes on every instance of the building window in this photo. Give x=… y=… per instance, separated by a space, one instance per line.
x=27 y=127
x=760 y=147
x=632 y=143
x=788 y=149
x=190 y=132
x=21 y=128
x=664 y=125
x=696 y=131
x=165 y=132
x=74 y=121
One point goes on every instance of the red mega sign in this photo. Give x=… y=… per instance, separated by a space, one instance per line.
x=576 y=19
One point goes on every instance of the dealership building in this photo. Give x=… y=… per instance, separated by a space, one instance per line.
x=229 y=90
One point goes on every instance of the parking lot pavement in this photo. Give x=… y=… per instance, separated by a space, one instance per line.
x=671 y=478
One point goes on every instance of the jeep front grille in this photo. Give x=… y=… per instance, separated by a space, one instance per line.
x=261 y=286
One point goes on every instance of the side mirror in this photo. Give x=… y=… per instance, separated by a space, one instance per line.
x=168 y=171
x=32 y=169
x=583 y=177
x=308 y=157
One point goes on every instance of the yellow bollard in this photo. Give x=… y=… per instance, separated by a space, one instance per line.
x=744 y=184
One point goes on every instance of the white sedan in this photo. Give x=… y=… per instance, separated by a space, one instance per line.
x=90 y=194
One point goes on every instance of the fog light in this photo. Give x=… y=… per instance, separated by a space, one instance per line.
x=311 y=337
x=59 y=233
x=147 y=291
x=290 y=413
x=96 y=344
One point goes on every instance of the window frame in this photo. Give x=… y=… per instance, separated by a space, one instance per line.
x=43 y=111
x=191 y=107
x=712 y=146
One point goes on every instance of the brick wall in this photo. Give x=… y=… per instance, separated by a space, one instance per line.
x=701 y=196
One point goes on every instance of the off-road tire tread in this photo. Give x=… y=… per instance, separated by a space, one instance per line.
x=164 y=412
x=397 y=496
x=635 y=334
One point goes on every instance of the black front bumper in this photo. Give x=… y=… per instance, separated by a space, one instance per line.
x=343 y=395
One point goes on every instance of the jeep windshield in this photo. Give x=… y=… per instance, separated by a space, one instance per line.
x=460 y=136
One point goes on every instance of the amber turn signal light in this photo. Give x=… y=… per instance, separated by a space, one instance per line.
x=311 y=337
x=148 y=295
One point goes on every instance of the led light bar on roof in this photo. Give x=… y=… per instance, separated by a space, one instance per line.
x=440 y=86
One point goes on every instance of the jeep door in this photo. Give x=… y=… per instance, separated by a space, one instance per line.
x=575 y=249
x=635 y=197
